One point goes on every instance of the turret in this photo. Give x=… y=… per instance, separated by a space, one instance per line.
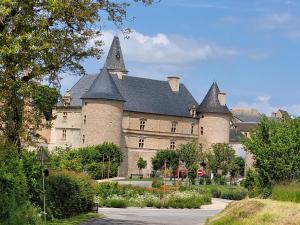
x=102 y=111
x=214 y=118
x=114 y=61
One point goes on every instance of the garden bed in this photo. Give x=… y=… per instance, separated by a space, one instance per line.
x=122 y=196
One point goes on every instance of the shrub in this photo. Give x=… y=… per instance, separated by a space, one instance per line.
x=33 y=172
x=14 y=205
x=89 y=159
x=234 y=194
x=156 y=183
x=69 y=194
x=252 y=183
x=115 y=203
x=289 y=192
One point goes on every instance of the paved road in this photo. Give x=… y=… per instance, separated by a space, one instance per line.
x=152 y=216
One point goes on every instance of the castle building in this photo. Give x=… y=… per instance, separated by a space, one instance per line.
x=140 y=115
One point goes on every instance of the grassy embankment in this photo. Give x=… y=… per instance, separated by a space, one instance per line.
x=258 y=212
x=76 y=220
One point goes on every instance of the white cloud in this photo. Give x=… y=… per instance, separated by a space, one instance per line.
x=264 y=98
x=231 y=19
x=163 y=49
x=274 y=21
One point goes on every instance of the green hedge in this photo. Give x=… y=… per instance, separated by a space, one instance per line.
x=221 y=191
x=14 y=198
x=68 y=194
x=288 y=192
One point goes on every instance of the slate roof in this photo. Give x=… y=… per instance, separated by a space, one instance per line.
x=235 y=135
x=247 y=115
x=211 y=103
x=103 y=87
x=141 y=95
x=114 y=60
x=246 y=127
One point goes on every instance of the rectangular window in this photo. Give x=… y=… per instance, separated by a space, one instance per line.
x=192 y=128
x=65 y=115
x=83 y=139
x=64 y=134
x=84 y=119
x=172 y=145
x=141 y=142
x=202 y=131
x=173 y=128
x=142 y=124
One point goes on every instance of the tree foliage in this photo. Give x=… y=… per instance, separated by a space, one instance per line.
x=141 y=163
x=94 y=160
x=220 y=158
x=275 y=146
x=45 y=98
x=41 y=39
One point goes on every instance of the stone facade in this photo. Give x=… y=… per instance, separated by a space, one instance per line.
x=140 y=115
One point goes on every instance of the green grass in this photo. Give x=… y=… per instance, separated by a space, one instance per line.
x=289 y=192
x=76 y=219
x=258 y=212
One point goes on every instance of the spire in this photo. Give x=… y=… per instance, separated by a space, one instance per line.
x=103 y=88
x=211 y=103
x=114 y=60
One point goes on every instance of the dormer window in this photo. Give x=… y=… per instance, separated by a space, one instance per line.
x=142 y=124
x=193 y=111
x=173 y=128
x=67 y=99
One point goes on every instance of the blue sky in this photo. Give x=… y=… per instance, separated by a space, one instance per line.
x=251 y=48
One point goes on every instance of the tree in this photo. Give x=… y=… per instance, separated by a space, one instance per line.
x=162 y=156
x=220 y=158
x=190 y=153
x=45 y=98
x=275 y=146
x=142 y=164
x=41 y=39
x=237 y=167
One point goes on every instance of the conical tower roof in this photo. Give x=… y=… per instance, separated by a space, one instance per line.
x=114 y=60
x=103 y=88
x=211 y=103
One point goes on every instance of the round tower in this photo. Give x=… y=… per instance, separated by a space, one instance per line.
x=102 y=112
x=214 y=118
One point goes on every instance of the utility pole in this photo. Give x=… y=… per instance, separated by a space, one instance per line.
x=108 y=170
x=102 y=169
x=165 y=172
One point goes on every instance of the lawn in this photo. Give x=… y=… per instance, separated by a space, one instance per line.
x=76 y=219
x=258 y=211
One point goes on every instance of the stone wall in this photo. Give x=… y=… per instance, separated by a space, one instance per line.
x=103 y=122
x=71 y=124
x=215 y=129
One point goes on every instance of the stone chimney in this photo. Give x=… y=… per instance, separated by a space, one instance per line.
x=174 y=83
x=222 y=98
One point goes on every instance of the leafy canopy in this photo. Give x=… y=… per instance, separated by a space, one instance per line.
x=41 y=39
x=275 y=146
